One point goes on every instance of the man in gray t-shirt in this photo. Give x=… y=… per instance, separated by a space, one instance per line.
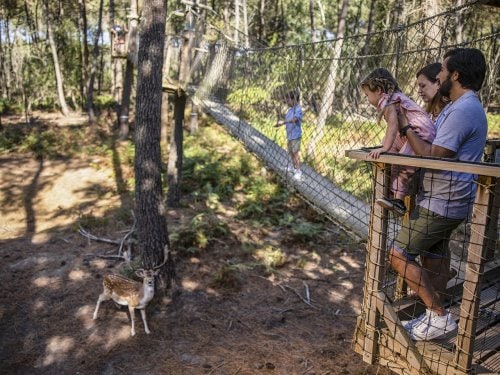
x=448 y=196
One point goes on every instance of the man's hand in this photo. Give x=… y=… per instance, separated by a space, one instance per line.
x=279 y=123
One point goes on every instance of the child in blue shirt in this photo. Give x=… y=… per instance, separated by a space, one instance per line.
x=293 y=124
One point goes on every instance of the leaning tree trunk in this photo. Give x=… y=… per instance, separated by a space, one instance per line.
x=329 y=93
x=57 y=67
x=152 y=230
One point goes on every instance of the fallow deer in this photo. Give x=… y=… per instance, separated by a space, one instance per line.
x=130 y=293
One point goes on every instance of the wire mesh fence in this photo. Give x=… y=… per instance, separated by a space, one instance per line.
x=246 y=90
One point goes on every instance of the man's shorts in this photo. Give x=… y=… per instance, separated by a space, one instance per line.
x=294 y=145
x=427 y=235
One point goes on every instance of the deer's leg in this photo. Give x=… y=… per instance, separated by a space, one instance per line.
x=102 y=297
x=143 y=314
x=131 y=309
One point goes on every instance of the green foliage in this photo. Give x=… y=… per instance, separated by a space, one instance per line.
x=203 y=228
x=305 y=231
x=228 y=277
x=271 y=257
x=493 y=125
x=265 y=202
x=104 y=102
x=209 y=170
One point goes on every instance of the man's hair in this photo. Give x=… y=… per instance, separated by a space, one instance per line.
x=470 y=65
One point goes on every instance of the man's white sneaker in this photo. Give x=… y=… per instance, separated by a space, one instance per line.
x=409 y=324
x=297 y=175
x=433 y=326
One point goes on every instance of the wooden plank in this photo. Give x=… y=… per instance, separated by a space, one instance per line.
x=485 y=169
x=401 y=337
x=472 y=285
x=440 y=360
x=375 y=264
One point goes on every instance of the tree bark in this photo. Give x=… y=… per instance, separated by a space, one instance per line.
x=329 y=92
x=175 y=158
x=57 y=68
x=84 y=52
x=95 y=56
x=152 y=229
x=129 y=71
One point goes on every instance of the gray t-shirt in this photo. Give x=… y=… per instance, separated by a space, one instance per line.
x=461 y=127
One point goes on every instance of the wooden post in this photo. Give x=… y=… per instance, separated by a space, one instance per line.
x=375 y=263
x=473 y=276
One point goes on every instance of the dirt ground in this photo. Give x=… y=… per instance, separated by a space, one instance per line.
x=295 y=320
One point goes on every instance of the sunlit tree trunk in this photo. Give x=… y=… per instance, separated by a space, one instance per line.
x=262 y=10
x=152 y=229
x=245 y=23
x=129 y=71
x=57 y=68
x=95 y=56
x=236 y=21
x=84 y=51
x=329 y=92
x=460 y=25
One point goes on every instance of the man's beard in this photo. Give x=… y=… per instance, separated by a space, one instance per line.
x=445 y=87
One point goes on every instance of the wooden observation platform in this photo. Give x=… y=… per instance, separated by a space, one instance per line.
x=473 y=295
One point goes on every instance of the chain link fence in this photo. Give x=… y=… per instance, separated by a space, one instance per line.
x=244 y=90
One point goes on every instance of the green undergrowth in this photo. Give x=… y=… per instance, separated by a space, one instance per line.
x=221 y=176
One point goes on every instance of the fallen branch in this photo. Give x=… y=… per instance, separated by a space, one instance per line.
x=84 y=233
x=298 y=294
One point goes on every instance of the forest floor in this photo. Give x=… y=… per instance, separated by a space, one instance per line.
x=295 y=315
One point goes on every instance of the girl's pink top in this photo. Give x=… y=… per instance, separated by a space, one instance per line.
x=415 y=115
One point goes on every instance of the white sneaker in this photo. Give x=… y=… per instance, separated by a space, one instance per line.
x=297 y=175
x=409 y=324
x=433 y=326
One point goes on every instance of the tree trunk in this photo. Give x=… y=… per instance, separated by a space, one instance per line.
x=174 y=171
x=57 y=68
x=193 y=124
x=245 y=23
x=236 y=21
x=262 y=10
x=129 y=71
x=165 y=120
x=329 y=92
x=311 y=20
x=84 y=52
x=95 y=56
x=460 y=24
x=152 y=229
x=174 y=168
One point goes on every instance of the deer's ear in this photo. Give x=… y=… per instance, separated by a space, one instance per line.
x=157 y=272
x=140 y=273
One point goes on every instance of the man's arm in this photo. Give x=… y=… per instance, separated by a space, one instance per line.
x=421 y=147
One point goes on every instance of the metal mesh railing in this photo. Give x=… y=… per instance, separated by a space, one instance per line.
x=244 y=88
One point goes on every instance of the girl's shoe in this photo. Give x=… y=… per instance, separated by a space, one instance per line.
x=396 y=205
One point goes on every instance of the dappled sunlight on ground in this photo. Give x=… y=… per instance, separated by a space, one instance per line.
x=258 y=299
